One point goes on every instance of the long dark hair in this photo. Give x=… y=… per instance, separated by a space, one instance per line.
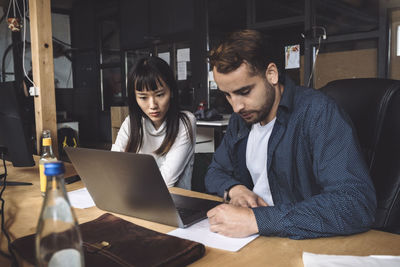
x=148 y=73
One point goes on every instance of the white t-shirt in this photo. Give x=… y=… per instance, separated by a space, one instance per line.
x=256 y=159
x=177 y=165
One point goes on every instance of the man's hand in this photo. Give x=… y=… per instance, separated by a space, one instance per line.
x=232 y=221
x=241 y=196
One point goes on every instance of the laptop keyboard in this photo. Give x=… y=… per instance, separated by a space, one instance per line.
x=186 y=213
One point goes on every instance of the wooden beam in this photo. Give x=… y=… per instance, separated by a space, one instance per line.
x=43 y=69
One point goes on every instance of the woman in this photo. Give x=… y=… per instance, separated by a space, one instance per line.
x=156 y=125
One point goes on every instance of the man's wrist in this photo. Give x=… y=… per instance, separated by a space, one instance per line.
x=227 y=197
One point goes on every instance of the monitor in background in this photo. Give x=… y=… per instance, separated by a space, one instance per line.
x=13 y=137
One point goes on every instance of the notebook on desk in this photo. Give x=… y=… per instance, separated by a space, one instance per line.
x=131 y=184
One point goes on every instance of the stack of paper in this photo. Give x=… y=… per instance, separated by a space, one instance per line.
x=80 y=199
x=201 y=233
x=321 y=260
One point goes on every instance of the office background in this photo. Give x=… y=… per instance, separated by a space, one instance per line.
x=96 y=42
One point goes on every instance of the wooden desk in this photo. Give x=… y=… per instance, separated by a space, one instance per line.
x=23 y=205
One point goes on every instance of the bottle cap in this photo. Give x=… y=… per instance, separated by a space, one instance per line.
x=54 y=168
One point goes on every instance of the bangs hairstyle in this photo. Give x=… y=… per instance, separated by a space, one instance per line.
x=245 y=46
x=149 y=74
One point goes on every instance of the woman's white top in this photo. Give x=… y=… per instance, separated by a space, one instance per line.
x=177 y=165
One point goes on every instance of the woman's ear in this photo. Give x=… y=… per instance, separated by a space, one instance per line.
x=272 y=74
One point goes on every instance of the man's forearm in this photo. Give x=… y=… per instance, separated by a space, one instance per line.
x=322 y=215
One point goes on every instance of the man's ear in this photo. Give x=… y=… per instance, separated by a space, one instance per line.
x=272 y=74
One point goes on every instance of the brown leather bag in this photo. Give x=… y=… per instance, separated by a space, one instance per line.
x=111 y=241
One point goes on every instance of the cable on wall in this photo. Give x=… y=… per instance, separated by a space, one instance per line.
x=24 y=45
x=314 y=61
x=321 y=36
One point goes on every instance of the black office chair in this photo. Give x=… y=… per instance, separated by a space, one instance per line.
x=200 y=167
x=374 y=107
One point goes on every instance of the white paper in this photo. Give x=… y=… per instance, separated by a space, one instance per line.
x=211 y=76
x=200 y=232
x=321 y=260
x=292 y=56
x=164 y=56
x=182 y=71
x=81 y=199
x=183 y=54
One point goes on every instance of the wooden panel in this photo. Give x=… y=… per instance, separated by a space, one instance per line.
x=43 y=68
x=348 y=64
x=343 y=65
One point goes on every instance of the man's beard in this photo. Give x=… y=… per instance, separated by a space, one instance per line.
x=265 y=109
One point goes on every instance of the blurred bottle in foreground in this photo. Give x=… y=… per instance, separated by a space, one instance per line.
x=58 y=239
x=46 y=156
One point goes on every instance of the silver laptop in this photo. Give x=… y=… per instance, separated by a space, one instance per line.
x=131 y=184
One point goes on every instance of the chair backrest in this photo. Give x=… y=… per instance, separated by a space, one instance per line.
x=200 y=167
x=374 y=107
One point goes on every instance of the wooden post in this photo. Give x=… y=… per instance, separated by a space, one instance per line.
x=43 y=69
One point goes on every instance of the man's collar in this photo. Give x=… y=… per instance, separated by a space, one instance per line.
x=288 y=94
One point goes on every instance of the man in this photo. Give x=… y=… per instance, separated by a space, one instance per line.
x=289 y=163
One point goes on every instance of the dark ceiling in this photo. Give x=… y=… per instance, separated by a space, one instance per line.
x=55 y=4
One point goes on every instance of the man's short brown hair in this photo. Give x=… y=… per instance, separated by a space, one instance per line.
x=244 y=46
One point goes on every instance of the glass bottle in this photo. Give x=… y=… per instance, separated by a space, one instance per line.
x=46 y=156
x=58 y=239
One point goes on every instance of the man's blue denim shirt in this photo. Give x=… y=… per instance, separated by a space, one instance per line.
x=318 y=178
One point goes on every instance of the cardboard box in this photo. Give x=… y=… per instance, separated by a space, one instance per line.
x=114 y=133
x=118 y=115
